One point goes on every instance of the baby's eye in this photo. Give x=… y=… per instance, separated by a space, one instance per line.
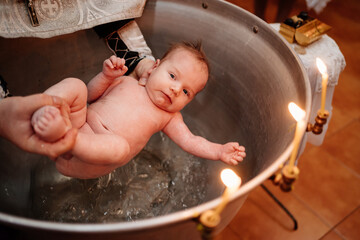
x=186 y=91
x=172 y=76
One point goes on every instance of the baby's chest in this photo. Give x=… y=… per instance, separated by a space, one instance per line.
x=131 y=111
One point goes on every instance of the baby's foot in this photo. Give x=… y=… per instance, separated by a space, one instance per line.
x=48 y=123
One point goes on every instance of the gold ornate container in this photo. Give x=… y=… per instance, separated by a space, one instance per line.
x=303 y=29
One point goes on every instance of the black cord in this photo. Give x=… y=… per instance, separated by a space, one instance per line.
x=281 y=205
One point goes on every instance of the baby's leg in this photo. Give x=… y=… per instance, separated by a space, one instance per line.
x=74 y=167
x=74 y=92
x=94 y=155
x=47 y=121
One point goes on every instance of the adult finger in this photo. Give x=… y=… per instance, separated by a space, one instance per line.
x=64 y=108
x=63 y=145
x=33 y=102
x=62 y=105
x=55 y=149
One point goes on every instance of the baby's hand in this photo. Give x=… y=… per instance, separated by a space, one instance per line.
x=232 y=153
x=114 y=67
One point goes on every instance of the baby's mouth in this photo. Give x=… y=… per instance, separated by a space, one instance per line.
x=167 y=97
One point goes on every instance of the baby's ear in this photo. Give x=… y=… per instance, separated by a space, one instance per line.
x=156 y=64
x=144 y=77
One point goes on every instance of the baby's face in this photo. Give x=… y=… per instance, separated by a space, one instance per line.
x=176 y=81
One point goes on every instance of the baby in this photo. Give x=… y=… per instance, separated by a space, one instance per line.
x=123 y=113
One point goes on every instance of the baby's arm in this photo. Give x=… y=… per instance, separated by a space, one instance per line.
x=113 y=68
x=230 y=153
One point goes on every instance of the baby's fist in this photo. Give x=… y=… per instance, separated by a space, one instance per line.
x=232 y=153
x=114 y=67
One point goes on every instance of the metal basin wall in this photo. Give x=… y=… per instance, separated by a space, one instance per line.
x=254 y=75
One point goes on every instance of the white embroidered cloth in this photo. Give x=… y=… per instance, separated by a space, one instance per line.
x=326 y=49
x=59 y=17
x=317 y=5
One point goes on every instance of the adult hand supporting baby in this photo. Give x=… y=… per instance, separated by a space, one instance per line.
x=141 y=71
x=15 y=124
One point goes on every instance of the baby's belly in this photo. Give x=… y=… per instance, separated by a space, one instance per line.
x=95 y=123
x=136 y=139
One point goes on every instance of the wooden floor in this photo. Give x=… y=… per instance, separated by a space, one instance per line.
x=326 y=197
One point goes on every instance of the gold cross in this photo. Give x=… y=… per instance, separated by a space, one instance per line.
x=32 y=13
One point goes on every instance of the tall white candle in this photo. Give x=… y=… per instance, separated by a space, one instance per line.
x=299 y=116
x=232 y=183
x=323 y=70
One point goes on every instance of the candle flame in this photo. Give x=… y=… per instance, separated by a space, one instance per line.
x=321 y=66
x=296 y=111
x=230 y=179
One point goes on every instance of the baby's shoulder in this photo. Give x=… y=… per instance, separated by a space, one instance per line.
x=128 y=80
x=125 y=82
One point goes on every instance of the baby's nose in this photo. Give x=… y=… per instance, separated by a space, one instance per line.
x=176 y=88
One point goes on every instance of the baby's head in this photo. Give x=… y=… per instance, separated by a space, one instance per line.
x=176 y=79
x=192 y=47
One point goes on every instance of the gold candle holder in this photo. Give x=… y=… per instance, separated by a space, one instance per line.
x=289 y=175
x=210 y=219
x=320 y=121
x=208 y=222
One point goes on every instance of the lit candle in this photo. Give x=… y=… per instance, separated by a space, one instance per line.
x=323 y=70
x=232 y=183
x=299 y=116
